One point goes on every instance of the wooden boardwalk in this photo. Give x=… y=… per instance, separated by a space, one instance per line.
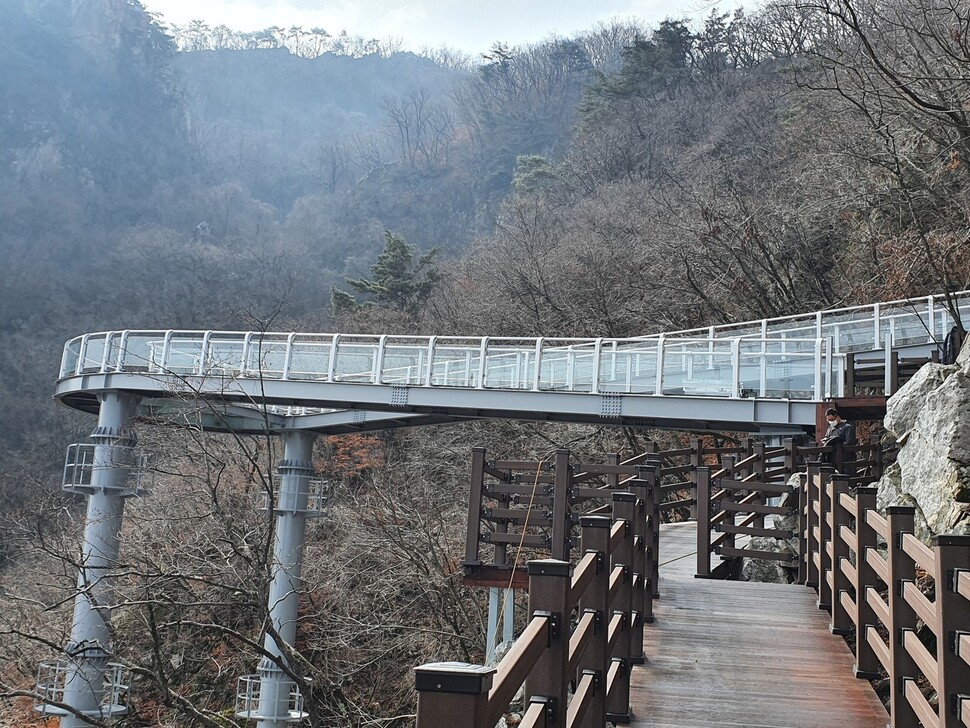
x=742 y=654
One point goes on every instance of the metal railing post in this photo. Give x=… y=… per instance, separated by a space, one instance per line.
x=735 y=368
x=818 y=390
x=430 y=373
x=597 y=358
x=483 y=362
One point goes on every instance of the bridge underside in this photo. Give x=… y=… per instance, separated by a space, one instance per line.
x=241 y=405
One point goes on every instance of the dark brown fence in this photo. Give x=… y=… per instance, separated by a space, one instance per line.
x=585 y=630
x=536 y=505
x=747 y=487
x=907 y=604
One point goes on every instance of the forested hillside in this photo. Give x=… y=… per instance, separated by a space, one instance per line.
x=626 y=180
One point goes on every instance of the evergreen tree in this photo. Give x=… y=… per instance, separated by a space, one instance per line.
x=401 y=281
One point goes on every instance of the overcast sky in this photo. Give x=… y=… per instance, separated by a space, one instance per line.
x=469 y=26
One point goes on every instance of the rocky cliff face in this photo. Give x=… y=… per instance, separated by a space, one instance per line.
x=930 y=417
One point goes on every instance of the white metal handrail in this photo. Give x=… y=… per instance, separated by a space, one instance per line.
x=853 y=328
x=787 y=367
x=791 y=357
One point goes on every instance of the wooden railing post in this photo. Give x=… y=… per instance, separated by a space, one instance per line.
x=475 y=507
x=730 y=517
x=453 y=694
x=812 y=529
x=824 y=537
x=952 y=556
x=878 y=464
x=549 y=589
x=841 y=621
x=703 y=522
x=596 y=539
x=653 y=512
x=560 y=506
x=791 y=458
x=758 y=469
x=839 y=456
x=642 y=488
x=638 y=585
x=696 y=461
x=621 y=609
x=613 y=479
x=901 y=520
x=866 y=662
x=803 y=553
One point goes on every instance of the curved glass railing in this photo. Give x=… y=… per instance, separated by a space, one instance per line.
x=789 y=368
x=904 y=322
x=794 y=357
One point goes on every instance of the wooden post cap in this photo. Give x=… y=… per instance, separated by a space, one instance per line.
x=549 y=567
x=453 y=677
x=595 y=522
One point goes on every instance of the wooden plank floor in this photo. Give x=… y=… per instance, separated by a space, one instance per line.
x=742 y=654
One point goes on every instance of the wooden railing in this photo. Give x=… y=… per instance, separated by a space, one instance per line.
x=611 y=588
x=867 y=569
x=748 y=486
x=536 y=505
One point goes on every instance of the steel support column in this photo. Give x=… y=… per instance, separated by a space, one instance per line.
x=89 y=649
x=275 y=706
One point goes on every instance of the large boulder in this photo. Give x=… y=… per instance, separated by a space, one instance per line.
x=904 y=406
x=931 y=418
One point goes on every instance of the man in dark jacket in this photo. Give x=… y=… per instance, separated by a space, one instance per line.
x=839 y=430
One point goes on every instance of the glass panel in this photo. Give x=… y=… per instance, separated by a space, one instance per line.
x=564 y=366
x=906 y=324
x=504 y=366
x=141 y=350
x=355 y=360
x=184 y=354
x=403 y=362
x=310 y=359
x=225 y=355
x=266 y=356
x=698 y=367
x=629 y=367
x=93 y=354
x=456 y=365
x=72 y=355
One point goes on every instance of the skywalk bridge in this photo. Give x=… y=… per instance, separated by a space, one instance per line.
x=757 y=376
x=767 y=377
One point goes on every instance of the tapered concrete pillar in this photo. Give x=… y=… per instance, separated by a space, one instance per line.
x=89 y=649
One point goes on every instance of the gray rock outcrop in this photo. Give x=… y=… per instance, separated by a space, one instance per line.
x=930 y=417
